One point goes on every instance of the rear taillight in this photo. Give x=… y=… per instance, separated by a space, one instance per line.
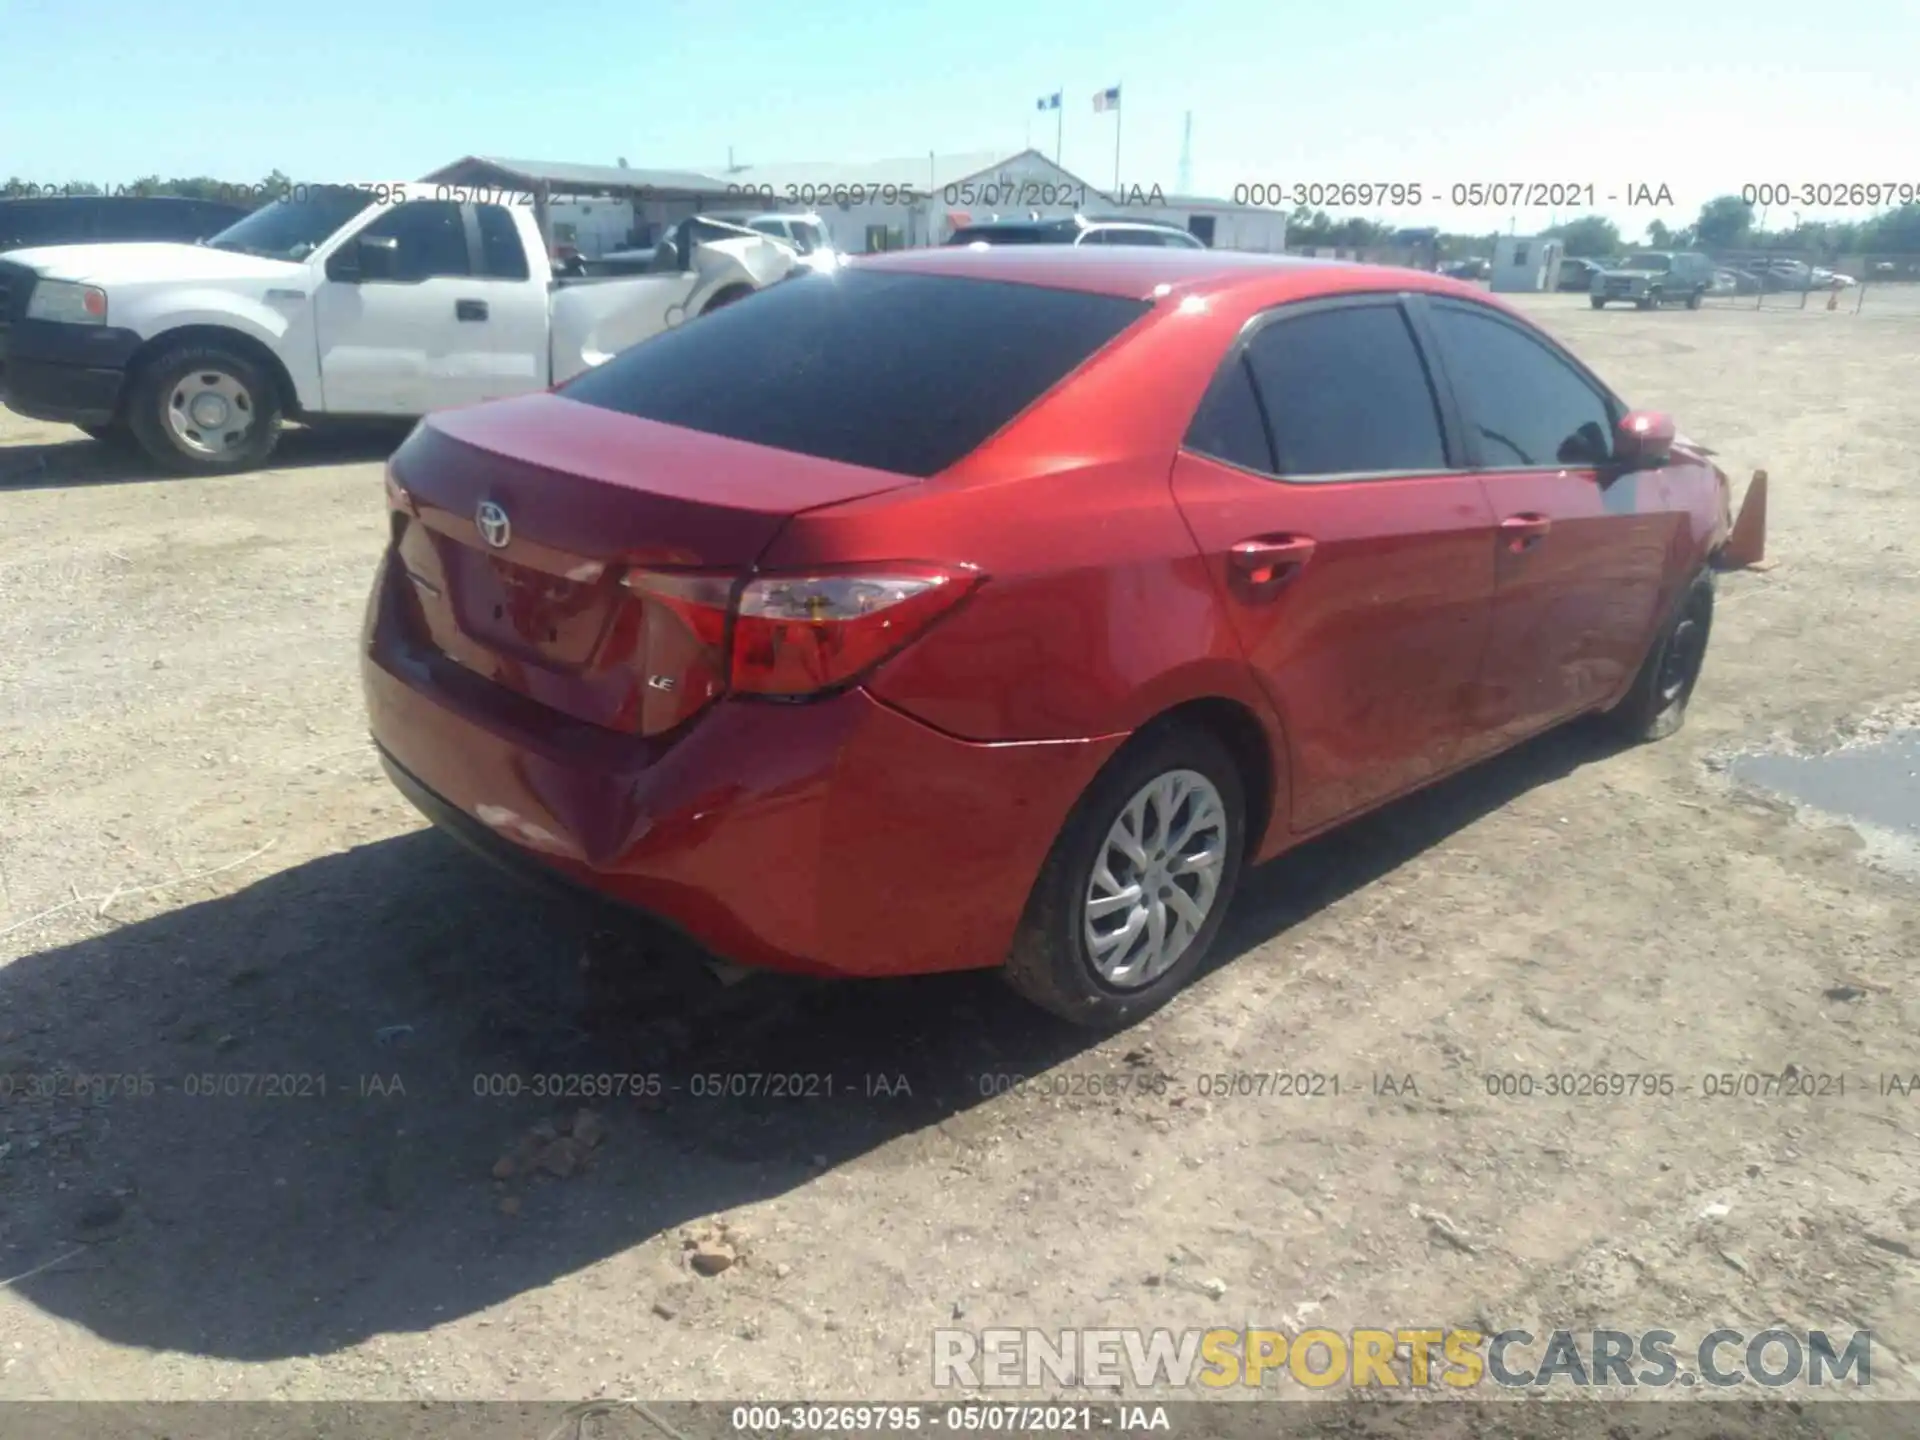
x=795 y=635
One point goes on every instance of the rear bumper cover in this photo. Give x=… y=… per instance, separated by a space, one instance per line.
x=838 y=837
x=71 y=374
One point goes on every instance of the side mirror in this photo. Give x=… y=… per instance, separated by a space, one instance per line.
x=1644 y=439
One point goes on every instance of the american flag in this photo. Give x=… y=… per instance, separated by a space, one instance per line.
x=1108 y=99
x=1049 y=102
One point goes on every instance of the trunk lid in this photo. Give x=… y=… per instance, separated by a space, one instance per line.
x=528 y=591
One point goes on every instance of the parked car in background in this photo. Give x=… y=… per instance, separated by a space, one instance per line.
x=1782 y=275
x=1074 y=230
x=1825 y=279
x=790 y=626
x=807 y=234
x=96 y=219
x=1473 y=269
x=1649 y=279
x=334 y=304
x=1577 y=274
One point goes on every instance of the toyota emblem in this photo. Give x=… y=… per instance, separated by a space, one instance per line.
x=492 y=523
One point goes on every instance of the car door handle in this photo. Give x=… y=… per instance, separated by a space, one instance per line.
x=469 y=309
x=1522 y=532
x=1270 y=561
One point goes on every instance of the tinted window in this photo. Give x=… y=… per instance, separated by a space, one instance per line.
x=141 y=220
x=999 y=235
x=502 y=256
x=1346 y=393
x=1228 y=425
x=899 y=372
x=1524 y=403
x=433 y=240
x=808 y=237
x=36 y=222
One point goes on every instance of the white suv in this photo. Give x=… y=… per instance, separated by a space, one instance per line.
x=1074 y=230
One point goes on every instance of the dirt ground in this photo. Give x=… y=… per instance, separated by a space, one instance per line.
x=204 y=874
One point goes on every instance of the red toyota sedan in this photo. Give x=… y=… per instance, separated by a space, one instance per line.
x=998 y=608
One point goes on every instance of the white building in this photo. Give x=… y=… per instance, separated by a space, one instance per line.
x=894 y=204
x=875 y=205
x=1525 y=263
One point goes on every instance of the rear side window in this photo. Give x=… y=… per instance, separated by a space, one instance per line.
x=1346 y=392
x=1228 y=425
x=1526 y=406
x=899 y=372
x=502 y=256
x=37 y=222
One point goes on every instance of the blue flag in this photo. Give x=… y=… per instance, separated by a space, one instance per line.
x=1048 y=102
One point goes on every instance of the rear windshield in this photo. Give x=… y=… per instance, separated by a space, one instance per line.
x=899 y=372
x=1000 y=235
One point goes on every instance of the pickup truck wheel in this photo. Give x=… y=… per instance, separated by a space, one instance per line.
x=203 y=409
x=1656 y=706
x=1693 y=300
x=1597 y=303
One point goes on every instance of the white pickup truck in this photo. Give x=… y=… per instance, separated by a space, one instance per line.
x=336 y=301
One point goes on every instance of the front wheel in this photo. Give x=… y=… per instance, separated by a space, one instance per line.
x=204 y=409
x=1138 y=883
x=1693 y=300
x=1598 y=303
x=1656 y=706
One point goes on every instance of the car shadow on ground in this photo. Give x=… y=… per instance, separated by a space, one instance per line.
x=407 y=979
x=70 y=463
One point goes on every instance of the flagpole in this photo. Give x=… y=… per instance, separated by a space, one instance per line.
x=1059 y=122
x=1117 y=109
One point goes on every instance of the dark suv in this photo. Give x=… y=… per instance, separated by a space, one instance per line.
x=1075 y=230
x=92 y=219
x=1649 y=279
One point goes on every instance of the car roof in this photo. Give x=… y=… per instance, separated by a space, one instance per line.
x=1142 y=272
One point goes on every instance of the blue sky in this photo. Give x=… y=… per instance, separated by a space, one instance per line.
x=1701 y=99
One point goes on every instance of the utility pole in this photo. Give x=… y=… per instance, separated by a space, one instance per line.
x=1186 y=157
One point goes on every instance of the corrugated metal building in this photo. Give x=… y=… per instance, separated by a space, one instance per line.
x=870 y=206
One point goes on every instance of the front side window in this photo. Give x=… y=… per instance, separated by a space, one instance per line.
x=1346 y=393
x=1527 y=407
x=433 y=240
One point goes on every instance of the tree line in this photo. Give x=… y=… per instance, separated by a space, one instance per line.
x=1725 y=223
x=198 y=187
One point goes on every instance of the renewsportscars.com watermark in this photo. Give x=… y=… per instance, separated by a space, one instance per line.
x=1397 y=1359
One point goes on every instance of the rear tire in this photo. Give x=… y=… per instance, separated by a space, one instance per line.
x=1099 y=944
x=1656 y=706
x=1693 y=300
x=204 y=410
x=1598 y=303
